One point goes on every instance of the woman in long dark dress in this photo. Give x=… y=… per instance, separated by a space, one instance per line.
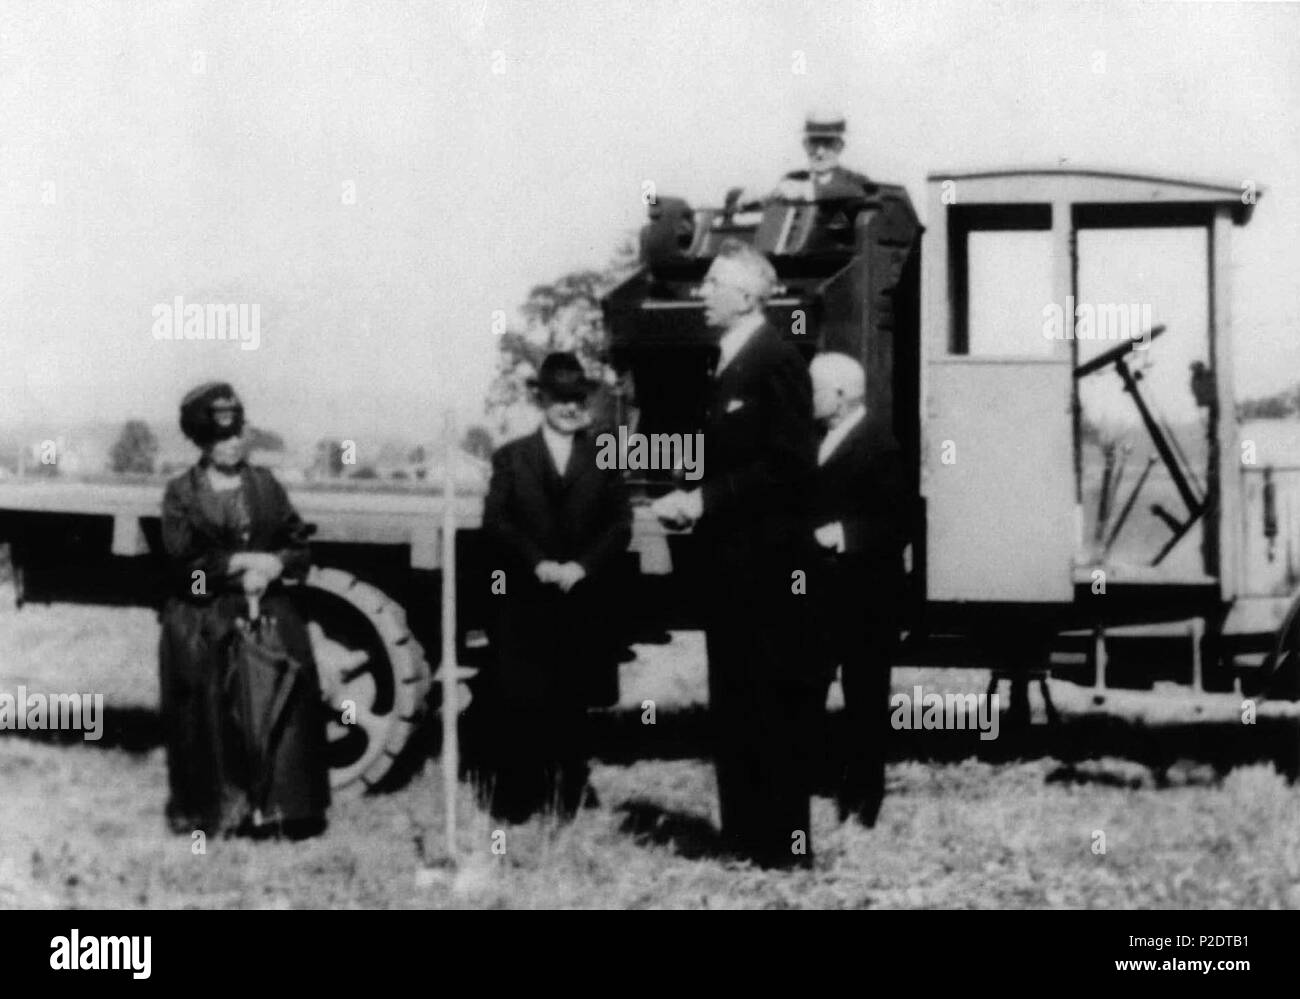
x=231 y=537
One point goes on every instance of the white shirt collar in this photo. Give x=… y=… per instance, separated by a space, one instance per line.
x=837 y=434
x=560 y=445
x=736 y=337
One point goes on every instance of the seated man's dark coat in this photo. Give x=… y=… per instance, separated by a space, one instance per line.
x=837 y=183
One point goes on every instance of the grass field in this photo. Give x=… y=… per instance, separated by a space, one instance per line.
x=82 y=823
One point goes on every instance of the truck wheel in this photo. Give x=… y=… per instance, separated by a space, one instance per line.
x=373 y=675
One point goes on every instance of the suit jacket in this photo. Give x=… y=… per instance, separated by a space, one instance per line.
x=533 y=513
x=547 y=641
x=760 y=454
x=862 y=485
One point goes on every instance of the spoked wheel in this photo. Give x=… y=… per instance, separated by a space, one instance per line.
x=373 y=675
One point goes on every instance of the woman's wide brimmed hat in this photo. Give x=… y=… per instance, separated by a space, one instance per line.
x=562 y=377
x=211 y=412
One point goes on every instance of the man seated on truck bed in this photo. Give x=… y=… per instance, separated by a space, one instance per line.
x=824 y=179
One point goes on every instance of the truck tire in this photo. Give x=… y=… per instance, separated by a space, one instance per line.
x=373 y=675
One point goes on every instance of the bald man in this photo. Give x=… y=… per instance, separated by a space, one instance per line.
x=860 y=515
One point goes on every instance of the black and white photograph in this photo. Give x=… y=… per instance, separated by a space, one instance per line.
x=575 y=455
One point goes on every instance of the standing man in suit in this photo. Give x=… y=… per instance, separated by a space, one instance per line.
x=752 y=523
x=559 y=525
x=861 y=513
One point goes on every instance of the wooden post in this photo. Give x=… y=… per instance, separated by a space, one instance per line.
x=449 y=670
x=1224 y=531
x=1196 y=632
x=1099 y=658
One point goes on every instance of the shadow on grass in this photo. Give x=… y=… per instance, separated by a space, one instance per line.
x=618 y=736
x=1100 y=776
x=688 y=836
x=132 y=728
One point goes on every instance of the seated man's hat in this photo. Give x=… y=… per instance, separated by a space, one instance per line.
x=823 y=124
x=562 y=377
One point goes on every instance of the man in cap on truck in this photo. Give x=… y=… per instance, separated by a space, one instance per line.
x=824 y=179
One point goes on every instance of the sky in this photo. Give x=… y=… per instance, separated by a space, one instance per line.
x=381 y=178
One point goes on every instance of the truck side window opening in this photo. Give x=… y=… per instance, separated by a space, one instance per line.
x=1009 y=285
x=1131 y=280
x=1001 y=269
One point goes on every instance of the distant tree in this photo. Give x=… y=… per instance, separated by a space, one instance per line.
x=263 y=440
x=478 y=442
x=418 y=455
x=135 y=448
x=1274 y=408
x=562 y=315
x=329 y=458
x=1277 y=406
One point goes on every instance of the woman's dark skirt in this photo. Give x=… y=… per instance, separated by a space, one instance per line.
x=212 y=781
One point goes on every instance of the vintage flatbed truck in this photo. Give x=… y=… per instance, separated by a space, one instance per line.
x=991 y=413
x=1003 y=566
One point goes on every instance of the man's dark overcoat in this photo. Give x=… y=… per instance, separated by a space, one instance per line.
x=552 y=650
